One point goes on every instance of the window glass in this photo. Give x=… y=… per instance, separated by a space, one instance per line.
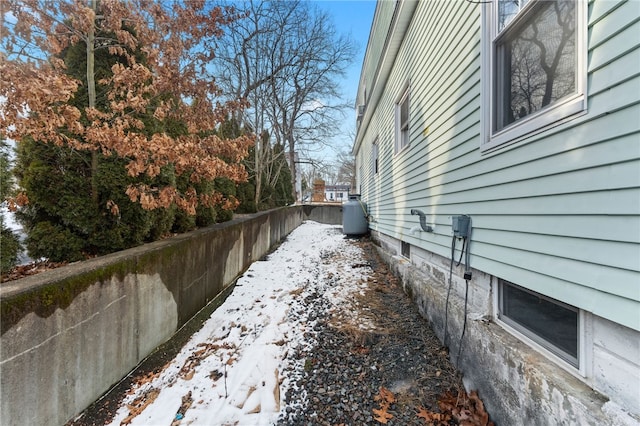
x=550 y=323
x=374 y=156
x=402 y=122
x=535 y=59
x=507 y=10
x=405 y=249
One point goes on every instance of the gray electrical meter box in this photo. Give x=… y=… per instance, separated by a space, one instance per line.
x=460 y=226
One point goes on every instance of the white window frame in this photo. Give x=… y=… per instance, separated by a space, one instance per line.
x=375 y=155
x=402 y=129
x=360 y=175
x=577 y=366
x=551 y=115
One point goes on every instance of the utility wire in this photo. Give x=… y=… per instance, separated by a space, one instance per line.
x=464 y=324
x=446 y=307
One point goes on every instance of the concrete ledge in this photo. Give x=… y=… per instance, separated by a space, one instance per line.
x=68 y=334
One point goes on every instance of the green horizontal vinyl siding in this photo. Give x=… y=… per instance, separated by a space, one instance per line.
x=377 y=40
x=559 y=212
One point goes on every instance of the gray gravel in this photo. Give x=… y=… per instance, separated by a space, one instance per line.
x=337 y=378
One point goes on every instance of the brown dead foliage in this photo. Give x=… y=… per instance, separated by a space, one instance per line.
x=138 y=405
x=188 y=368
x=433 y=419
x=32 y=268
x=467 y=409
x=146 y=378
x=384 y=398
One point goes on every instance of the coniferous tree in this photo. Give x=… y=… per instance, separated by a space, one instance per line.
x=9 y=242
x=172 y=84
x=276 y=180
x=283 y=192
x=110 y=150
x=67 y=188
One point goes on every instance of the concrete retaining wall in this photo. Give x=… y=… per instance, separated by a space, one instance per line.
x=70 y=333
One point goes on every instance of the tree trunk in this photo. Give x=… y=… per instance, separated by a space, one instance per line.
x=91 y=91
x=258 y=171
x=292 y=164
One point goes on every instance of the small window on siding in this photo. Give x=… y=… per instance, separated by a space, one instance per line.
x=374 y=157
x=402 y=121
x=548 y=322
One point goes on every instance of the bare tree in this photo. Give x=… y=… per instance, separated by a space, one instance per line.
x=305 y=96
x=347 y=169
x=247 y=60
x=285 y=58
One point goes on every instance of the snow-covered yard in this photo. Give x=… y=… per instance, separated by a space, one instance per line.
x=237 y=368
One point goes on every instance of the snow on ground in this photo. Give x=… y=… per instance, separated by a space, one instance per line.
x=235 y=370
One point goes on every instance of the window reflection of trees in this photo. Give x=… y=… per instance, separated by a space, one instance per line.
x=539 y=59
x=507 y=10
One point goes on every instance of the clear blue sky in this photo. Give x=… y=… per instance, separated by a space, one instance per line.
x=352 y=17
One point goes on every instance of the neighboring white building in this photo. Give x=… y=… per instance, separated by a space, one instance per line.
x=337 y=192
x=525 y=117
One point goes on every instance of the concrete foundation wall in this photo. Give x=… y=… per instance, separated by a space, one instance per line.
x=519 y=382
x=69 y=334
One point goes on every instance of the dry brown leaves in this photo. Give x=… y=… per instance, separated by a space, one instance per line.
x=138 y=405
x=171 y=39
x=467 y=409
x=384 y=398
x=34 y=268
x=143 y=400
x=433 y=419
x=188 y=368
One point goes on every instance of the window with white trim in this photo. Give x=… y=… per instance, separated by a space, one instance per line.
x=548 y=322
x=402 y=121
x=374 y=157
x=536 y=56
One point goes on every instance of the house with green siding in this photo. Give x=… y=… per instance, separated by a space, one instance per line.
x=498 y=155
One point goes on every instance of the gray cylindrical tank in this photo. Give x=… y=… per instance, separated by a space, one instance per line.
x=354 y=216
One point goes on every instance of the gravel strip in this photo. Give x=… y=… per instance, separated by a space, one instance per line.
x=337 y=378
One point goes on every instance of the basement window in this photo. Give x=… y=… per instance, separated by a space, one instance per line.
x=548 y=322
x=406 y=249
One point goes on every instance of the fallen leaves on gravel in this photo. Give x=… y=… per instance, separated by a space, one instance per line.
x=433 y=419
x=467 y=409
x=384 y=398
